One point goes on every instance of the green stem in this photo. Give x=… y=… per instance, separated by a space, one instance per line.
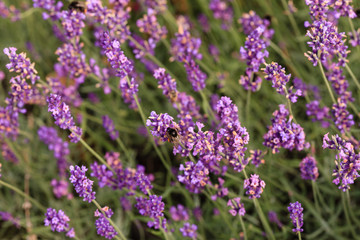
x=289 y=103
x=326 y=82
x=248 y=101
x=313 y=183
x=123 y=148
x=350 y=210
x=297 y=226
x=15 y=189
x=110 y=221
x=352 y=76
x=243 y=227
x=347 y=216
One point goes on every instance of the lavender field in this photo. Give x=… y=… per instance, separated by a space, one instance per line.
x=180 y=119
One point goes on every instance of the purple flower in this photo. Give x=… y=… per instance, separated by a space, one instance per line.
x=250 y=84
x=296 y=216
x=308 y=168
x=318 y=9
x=149 y=25
x=6 y=216
x=82 y=185
x=58 y=221
x=284 y=133
x=179 y=213
x=60 y=148
x=354 y=38
x=184 y=47
x=158 y=5
x=276 y=73
x=152 y=207
x=342 y=118
x=237 y=208
x=256 y=157
x=326 y=43
x=62 y=116
x=234 y=136
x=344 y=8
x=166 y=83
x=103 y=226
x=73 y=23
x=204 y=23
x=52 y=8
x=318 y=114
x=195 y=176
x=195 y=76
x=60 y=188
x=254 y=51
x=254 y=186
x=115 y=56
x=347 y=163
x=129 y=88
x=189 y=230
x=7 y=153
x=214 y=52
x=109 y=126
x=337 y=79
x=222 y=10
x=160 y=124
x=274 y=218
x=250 y=21
x=221 y=191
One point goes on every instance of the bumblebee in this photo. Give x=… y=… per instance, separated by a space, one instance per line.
x=77 y=6
x=172 y=134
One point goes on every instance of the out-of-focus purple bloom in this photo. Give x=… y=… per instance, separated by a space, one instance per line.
x=293 y=95
x=277 y=75
x=195 y=76
x=250 y=84
x=194 y=176
x=296 y=216
x=343 y=8
x=109 y=126
x=284 y=133
x=189 y=230
x=62 y=116
x=318 y=9
x=160 y=124
x=53 y=9
x=158 y=5
x=149 y=25
x=125 y=203
x=58 y=221
x=214 y=52
x=116 y=56
x=342 y=118
x=73 y=23
x=152 y=207
x=103 y=226
x=204 y=23
x=256 y=157
x=306 y=88
x=20 y=64
x=166 y=83
x=337 y=79
x=103 y=74
x=308 y=168
x=318 y=114
x=326 y=43
x=254 y=186
x=7 y=153
x=221 y=191
x=184 y=47
x=82 y=185
x=4 y=10
x=347 y=161
x=60 y=148
x=6 y=216
x=234 y=136
x=250 y=21
x=60 y=188
x=179 y=213
x=254 y=51
x=237 y=208
x=223 y=11
x=129 y=88
x=354 y=38
x=274 y=218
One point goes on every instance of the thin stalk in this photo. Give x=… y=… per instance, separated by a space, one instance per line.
x=326 y=82
x=18 y=191
x=247 y=111
x=352 y=76
x=347 y=215
x=350 y=210
x=110 y=221
x=289 y=103
x=123 y=148
x=313 y=183
x=297 y=226
x=243 y=227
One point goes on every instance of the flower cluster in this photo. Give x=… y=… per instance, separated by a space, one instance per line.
x=6 y=216
x=73 y=23
x=149 y=25
x=274 y=218
x=284 y=133
x=129 y=88
x=195 y=176
x=234 y=136
x=152 y=207
x=342 y=118
x=116 y=57
x=179 y=213
x=127 y=178
x=347 y=161
x=62 y=116
x=296 y=216
x=221 y=191
x=103 y=226
x=317 y=113
x=58 y=222
x=189 y=230
x=308 y=168
x=53 y=8
x=222 y=10
x=254 y=186
x=237 y=208
x=109 y=126
x=7 y=153
x=256 y=157
x=82 y=185
x=277 y=75
x=166 y=83
x=160 y=124
x=250 y=21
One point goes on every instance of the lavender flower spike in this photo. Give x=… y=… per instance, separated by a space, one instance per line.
x=296 y=216
x=83 y=185
x=254 y=186
x=103 y=226
x=58 y=221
